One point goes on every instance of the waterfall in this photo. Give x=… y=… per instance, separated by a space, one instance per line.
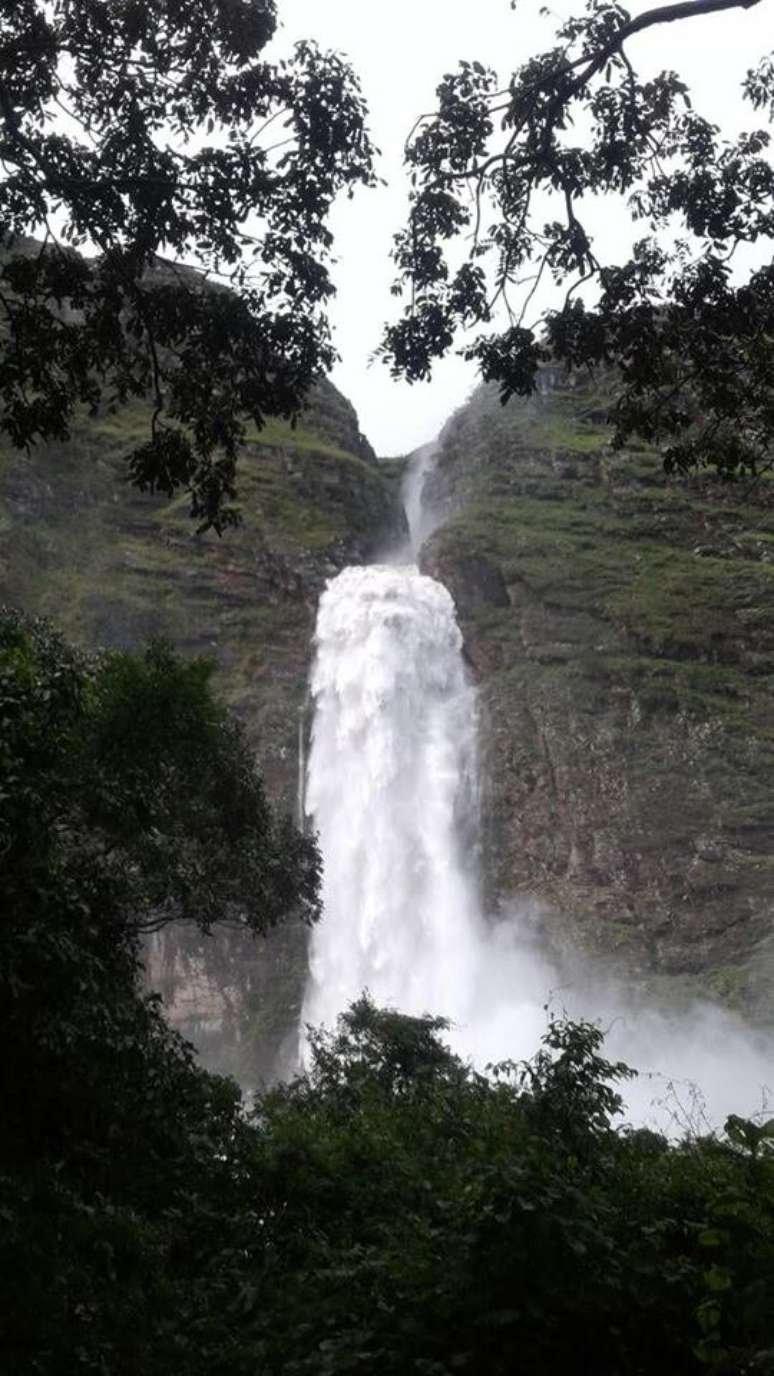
x=390 y=788
x=301 y=784
x=419 y=515
x=390 y=782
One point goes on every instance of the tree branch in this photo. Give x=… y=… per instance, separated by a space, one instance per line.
x=685 y=9
x=58 y=181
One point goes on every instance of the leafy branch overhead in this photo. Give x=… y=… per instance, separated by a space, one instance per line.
x=151 y=128
x=506 y=167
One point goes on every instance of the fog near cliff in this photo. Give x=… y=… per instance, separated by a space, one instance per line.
x=695 y=1064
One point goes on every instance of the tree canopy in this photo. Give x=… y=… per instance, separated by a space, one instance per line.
x=390 y=1211
x=511 y=165
x=128 y=799
x=134 y=130
x=154 y=136
x=122 y=773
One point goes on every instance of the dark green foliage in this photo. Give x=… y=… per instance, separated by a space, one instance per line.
x=392 y=1211
x=126 y=798
x=88 y=94
x=691 y=338
x=123 y=774
x=423 y=1218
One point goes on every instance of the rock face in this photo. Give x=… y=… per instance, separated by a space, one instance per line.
x=111 y=567
x=621 y=627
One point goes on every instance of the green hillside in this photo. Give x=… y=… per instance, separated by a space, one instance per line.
x=622 y=627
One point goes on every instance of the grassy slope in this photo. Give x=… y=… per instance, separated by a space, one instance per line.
x=686 y=569
x=111 y=566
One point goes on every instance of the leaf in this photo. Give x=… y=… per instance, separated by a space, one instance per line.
x=710 y=1237
x=717 y=1279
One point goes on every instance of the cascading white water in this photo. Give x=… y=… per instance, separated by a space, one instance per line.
x=390 y=787
x=390 y=779
x=420 y=517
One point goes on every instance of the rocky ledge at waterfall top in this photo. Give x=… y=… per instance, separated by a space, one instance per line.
x=621 y=628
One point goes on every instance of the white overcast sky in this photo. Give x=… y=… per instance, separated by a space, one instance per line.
x=400 y=50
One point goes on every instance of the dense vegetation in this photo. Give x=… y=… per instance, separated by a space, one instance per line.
x=89 y=94
x=127 y=799
x=391 y=1210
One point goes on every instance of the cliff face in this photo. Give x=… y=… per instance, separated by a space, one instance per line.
x=112 y=567
x=621 y=627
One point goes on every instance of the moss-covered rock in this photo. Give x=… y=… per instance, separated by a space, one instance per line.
x=113 y=567
x=628 y=724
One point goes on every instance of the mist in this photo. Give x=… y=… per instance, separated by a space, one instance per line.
x=695 y=1064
